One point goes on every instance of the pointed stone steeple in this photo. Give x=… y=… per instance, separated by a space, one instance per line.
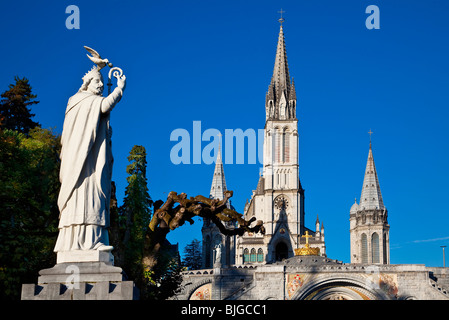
x=211 y=234
x=368 y=221
x=218 y=181
x=281 y=95
x=371 y=197
x=281 y=78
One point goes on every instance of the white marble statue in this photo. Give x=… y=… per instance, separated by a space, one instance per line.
x=217 y=254
x=86 y=165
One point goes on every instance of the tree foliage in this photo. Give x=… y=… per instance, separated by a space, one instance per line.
x=15 y=107
x=29 y=186
x=128 y=231
x=164 y=279
x=193 y=255
x=130 y=221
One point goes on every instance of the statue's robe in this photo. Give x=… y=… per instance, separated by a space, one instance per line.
x=85 y=174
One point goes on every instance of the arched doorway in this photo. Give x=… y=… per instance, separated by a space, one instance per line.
x=281 y=251
x=339 y=289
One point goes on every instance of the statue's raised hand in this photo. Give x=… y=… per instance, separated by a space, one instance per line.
x=121 y=82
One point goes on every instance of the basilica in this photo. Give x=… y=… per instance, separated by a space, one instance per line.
x=289 y=261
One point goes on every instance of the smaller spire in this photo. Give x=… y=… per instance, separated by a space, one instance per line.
x=218 y=187
x=371 y=197
x=292 y=95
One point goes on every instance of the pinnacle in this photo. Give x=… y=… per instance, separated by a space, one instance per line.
x=218 y=187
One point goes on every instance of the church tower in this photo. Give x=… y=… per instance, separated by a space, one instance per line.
x=279 y=197
x=212 y=237
x=369 y=229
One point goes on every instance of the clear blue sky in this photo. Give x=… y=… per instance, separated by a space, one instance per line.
x=211 y=61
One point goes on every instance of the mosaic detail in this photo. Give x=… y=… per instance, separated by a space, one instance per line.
x=202 y=293
x=388 y=283
x=295 y=281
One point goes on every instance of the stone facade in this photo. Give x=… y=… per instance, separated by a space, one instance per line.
x=317 y=278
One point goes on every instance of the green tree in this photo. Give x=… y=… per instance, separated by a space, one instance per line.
x=29 y=187
x=128 y=233
x=164 y=279
x=193 y=255
x=15 y=107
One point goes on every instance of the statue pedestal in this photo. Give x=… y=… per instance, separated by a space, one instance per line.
x=81 y=275
x=85 y=256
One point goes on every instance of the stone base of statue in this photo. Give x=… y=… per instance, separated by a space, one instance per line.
x=81 y=275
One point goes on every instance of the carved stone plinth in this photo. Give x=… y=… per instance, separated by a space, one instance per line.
x=89 y=280
x=85 y=256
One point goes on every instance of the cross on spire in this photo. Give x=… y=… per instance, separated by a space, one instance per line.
x=281 y=20
x=370 y=133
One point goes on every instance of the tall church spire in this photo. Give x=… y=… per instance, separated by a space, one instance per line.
x=281 y=78
x=371 y=197
x=281 y=95
x=218 y=181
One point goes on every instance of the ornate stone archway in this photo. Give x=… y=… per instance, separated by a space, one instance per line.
x=338 y=289
x=201 y=291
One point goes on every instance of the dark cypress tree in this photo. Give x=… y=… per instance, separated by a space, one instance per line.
x=15 y=107
x=134 y=216
x=193 y=255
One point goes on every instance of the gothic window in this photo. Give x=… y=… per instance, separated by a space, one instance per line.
x=252 y=256
x=384 y=247
x=375 y=247
x=245 y=255
x=260 y=255
x=277 y=147
x=364 y=249
x=286 y=146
